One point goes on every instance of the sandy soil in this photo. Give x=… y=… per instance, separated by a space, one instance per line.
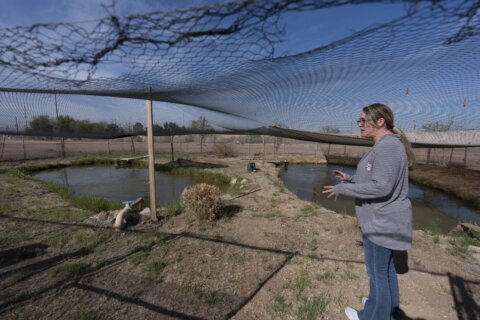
x=272 y=256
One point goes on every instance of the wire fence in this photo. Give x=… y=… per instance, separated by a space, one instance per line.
x=17 y=148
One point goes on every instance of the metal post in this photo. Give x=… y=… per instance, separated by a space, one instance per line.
x=151 y=158
x=3 y=146
x=263 y=156
x=62 y=139
x=23 y=137
x=132 y=148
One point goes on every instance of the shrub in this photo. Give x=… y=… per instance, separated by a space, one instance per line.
x=223 y=150
x=203 y=200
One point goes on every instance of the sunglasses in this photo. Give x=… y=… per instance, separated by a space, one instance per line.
x=361 y=121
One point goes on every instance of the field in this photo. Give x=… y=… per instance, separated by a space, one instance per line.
x=14 y=148
x=271 y=256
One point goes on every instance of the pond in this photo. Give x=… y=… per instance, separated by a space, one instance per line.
x=432 y=209
x=118 y=183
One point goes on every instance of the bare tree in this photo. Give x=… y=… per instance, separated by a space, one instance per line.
x=202 y=126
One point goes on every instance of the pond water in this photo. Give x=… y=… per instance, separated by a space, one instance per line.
x=432 y=209
x=117 y=184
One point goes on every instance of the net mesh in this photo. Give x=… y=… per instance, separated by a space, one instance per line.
x=215 y=69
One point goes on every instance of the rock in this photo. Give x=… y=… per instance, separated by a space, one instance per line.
x=145 y=212
x=226 y=197
x=233 y=181
x=458 y=228
x=473 y=249
x=474 y=252
x=243 y=181
x=469 y=227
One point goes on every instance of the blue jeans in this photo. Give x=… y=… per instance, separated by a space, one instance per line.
x=384 y=297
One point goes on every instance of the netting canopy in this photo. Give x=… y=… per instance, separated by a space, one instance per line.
x=216 y=69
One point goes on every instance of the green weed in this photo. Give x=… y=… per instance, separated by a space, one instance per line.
x=174 y=208
x=325 y=277
x=153 y=270
x=138 y=257
x=72 y=271
x=279 y=306
x=96 y=204
x=312 y=308
x=299 y=284
x=312 y=245
x=237 y=258
x=461 y=240
x=83 y=314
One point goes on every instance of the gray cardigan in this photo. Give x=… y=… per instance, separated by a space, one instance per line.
x=380 y=188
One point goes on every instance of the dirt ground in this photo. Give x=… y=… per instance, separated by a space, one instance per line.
x=272 y=256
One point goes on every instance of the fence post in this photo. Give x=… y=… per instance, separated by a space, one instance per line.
x=3 y=146
x=133 y=146
x=151 y=158
x=263 y=157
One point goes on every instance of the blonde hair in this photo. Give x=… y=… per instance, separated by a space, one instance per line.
x=376 y=111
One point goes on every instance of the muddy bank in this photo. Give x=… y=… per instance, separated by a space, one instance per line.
x=461 y=183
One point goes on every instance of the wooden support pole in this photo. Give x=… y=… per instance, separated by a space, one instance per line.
x=3 y=146
x=62 y=139
x=151 y=159
x=263 y=156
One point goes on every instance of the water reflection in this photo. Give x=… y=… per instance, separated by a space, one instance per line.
x=432 y=209
x=117 y=184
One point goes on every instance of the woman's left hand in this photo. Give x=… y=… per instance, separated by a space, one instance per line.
x=328 y=190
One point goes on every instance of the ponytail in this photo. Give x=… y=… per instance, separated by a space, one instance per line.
x=407 y=145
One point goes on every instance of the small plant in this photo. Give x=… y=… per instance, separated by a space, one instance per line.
x=312 y=308
x=173 y=208
x=461 y=240
x=83 y=314
x=153 y=270
x=72 y=271
x=306 y=211
x=60 y=190
x=312 y=245
x=90 y=203
x=96 y=204
x=203 y=200
x=88 y=161
x=279 y=306
x=434 y=228
x=349 y=275
x=325 y=277
x=137 y=257
x=298 y=285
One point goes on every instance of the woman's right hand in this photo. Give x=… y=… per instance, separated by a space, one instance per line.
x=340 y=175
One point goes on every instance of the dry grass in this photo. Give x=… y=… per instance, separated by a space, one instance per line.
x=203 y=201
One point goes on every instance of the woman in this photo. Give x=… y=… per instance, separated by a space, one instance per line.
x=384 y=212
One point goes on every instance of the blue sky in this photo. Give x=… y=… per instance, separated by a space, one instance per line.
x=304 y=31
